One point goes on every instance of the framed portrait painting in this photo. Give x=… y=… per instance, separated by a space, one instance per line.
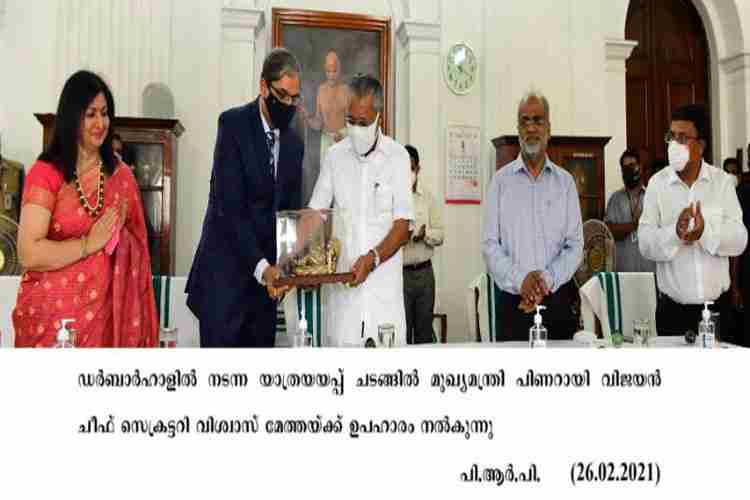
x=331 y=48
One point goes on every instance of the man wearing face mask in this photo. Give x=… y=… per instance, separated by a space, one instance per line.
x=257 y=171
x=532 y=237
x=366 y=178
x=691 y=224
x=623 y=213
x=419 y=278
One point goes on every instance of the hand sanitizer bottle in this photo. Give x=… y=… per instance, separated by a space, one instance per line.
x=303 y=338
x=538 y=333
x=64 y=337
x=706 y=328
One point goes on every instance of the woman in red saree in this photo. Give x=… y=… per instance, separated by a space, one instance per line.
x=82 y=236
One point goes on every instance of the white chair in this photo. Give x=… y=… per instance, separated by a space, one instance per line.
x=616 y=300
x=483 y=307
x=172 y=309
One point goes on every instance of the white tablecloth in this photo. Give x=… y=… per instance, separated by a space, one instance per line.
x=657 y=342
x=181 y=317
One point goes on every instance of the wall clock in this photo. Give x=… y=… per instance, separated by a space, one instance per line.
x=461 y=68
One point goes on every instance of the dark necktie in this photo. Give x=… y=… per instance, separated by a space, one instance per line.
x=271 y=141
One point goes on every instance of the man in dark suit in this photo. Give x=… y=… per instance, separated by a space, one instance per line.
x=257 y=171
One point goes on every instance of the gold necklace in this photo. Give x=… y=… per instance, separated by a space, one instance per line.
x=92 y=211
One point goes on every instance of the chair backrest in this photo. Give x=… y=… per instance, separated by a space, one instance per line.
x=617 y=299
x=598 y=251
x=172 y=310
x=280 y=320
x=484 y=310
x=162 y=295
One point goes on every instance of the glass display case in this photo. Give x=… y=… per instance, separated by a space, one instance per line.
x=309 y=247
x=151 y=151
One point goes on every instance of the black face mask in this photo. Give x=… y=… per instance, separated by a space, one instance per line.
x=281 y=114
x=631 y=178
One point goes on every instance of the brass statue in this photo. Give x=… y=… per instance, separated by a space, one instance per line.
x=320 y=259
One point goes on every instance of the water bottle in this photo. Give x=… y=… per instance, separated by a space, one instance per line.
x=538 y=333
x=65 y=338
x=386 y=335
x=706 y=328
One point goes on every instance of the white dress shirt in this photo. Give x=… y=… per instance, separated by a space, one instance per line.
x=368 y=196
x=260 y=268
x=692 y=274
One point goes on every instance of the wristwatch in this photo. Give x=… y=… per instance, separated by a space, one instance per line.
x=377 y=256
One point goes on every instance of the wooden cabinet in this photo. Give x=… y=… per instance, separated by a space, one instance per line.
x=583 y=157
x=152 y=147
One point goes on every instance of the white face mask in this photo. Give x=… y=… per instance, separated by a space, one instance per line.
x=679 y=155
x=363 y=137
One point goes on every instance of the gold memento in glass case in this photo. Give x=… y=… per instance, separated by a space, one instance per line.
x=308 y=247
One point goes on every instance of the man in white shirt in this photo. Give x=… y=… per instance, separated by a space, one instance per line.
x=366 y=178
x=419 y=278
x=691 y=224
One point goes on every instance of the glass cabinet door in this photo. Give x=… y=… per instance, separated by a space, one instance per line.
x=148 y=167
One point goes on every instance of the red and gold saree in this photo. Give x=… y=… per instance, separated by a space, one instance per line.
x=109 y=297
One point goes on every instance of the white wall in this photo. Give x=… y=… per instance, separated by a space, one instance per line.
x=209 y=53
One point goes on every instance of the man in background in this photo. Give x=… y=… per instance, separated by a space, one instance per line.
x=419 y=277
x=623 y=213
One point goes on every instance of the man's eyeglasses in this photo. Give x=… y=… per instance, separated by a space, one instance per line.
x=683 y=139
x=282 y=96
x=357 y=123
x=527 y=121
